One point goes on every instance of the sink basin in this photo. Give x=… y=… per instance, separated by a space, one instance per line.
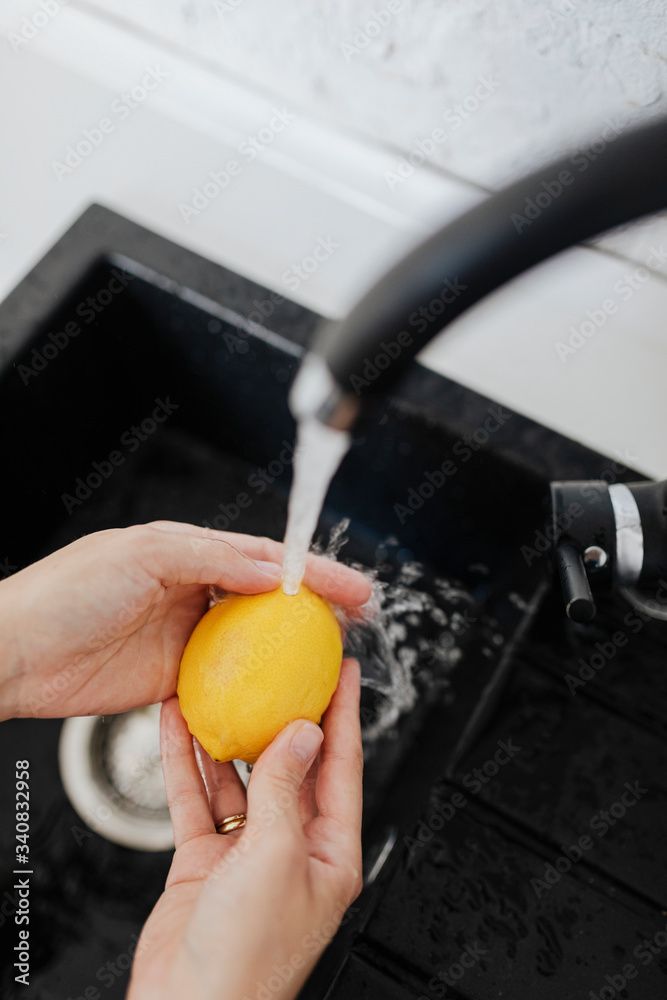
x=140 y=381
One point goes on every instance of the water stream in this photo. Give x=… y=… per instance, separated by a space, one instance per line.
x=319 y=452
x=410 y=634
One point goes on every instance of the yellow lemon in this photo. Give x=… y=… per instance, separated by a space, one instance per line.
x=255 y=663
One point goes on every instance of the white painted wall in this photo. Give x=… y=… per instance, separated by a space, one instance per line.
x=556 y=70
x=559 y=67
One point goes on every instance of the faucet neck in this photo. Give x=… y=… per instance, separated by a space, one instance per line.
x=560 y=205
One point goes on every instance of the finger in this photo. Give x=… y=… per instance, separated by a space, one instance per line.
x=178 y=558
x=277 y=777
x=308 y=795
x=333 y=580
x=186 y=792
x=336 y=582
x=339 y=785
x=226 y=792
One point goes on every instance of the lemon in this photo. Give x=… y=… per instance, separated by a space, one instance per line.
x=255 y=663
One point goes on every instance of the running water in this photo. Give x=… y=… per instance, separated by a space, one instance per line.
x=411 y=634
x=319 y=452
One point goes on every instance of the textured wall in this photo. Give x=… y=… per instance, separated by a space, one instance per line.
x=558 y=67
x=553 y=74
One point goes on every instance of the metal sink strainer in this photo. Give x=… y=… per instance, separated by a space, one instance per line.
x=110 y=768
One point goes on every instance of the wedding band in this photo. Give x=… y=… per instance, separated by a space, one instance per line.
x=231 y=823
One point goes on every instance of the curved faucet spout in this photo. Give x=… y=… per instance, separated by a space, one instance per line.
x=513 y=230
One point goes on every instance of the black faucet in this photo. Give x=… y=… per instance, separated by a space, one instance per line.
x=620 y=537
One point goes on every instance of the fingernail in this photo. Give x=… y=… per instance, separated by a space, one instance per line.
x=306 y=741
x=270 y=568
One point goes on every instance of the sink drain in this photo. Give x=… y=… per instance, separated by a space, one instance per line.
x=110 y=768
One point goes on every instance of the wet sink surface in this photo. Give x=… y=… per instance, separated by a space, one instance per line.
x=176 y=339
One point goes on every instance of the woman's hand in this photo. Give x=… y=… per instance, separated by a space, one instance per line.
x=99 y=626
x=246 y=915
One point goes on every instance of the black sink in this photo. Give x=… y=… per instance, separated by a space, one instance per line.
x=117 y=328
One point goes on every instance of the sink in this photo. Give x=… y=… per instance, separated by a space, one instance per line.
x=140 y=381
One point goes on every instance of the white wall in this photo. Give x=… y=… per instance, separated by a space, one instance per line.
x=556 y=70
x=560 y=66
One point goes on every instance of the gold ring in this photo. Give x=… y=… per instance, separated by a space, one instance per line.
x=231 y=823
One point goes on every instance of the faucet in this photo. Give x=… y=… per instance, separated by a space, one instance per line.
x=618 y=536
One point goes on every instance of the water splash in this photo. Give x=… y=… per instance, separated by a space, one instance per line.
x=408 y=637
x=319 y=452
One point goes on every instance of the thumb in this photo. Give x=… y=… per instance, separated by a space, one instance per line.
x=277 y=777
